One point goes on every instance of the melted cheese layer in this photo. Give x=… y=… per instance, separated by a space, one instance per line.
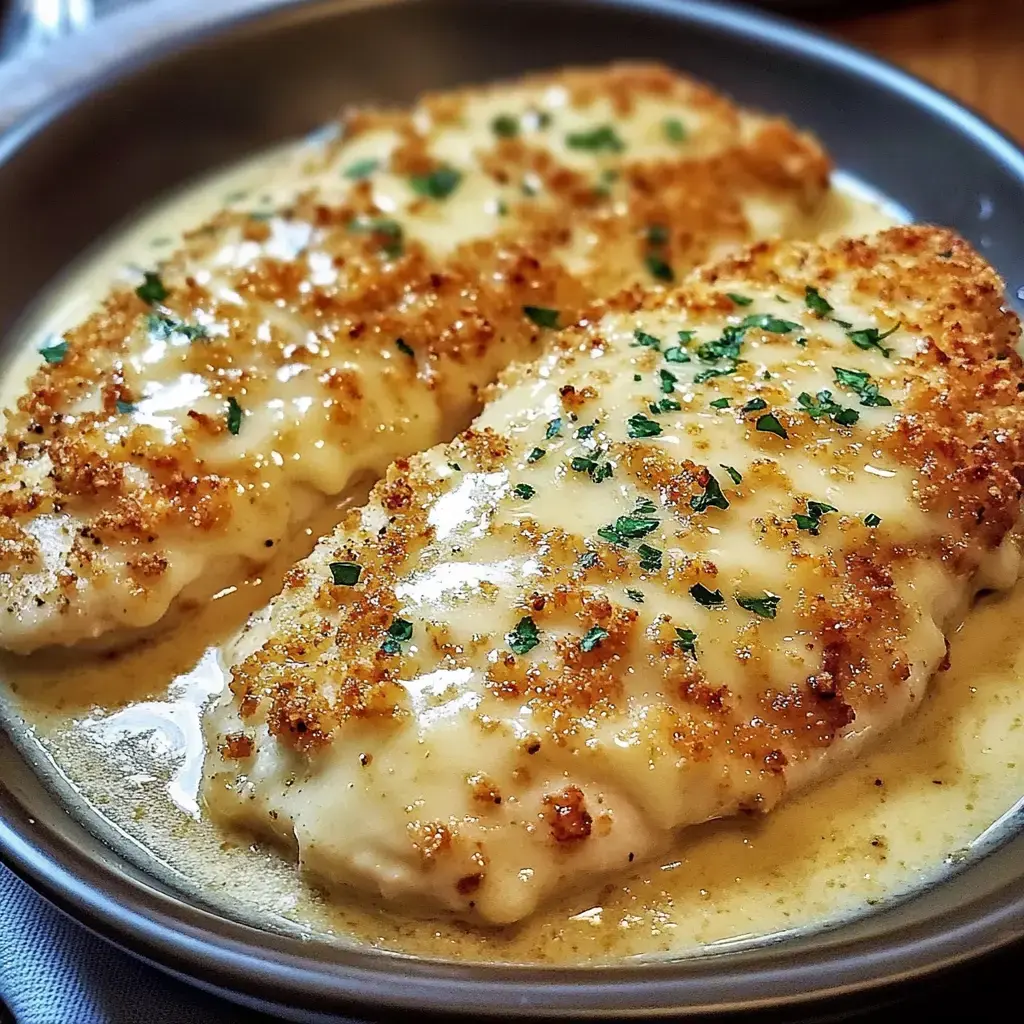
x=680 y=566
x=169 y=443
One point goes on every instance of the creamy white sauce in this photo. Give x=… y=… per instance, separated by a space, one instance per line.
x=126 y=732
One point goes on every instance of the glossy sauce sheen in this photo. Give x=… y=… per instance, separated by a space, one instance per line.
x=890 y=822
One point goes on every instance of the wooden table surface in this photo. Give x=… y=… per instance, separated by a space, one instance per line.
x=972 y=49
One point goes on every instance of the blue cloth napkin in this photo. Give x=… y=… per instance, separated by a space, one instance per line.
x=52 y=971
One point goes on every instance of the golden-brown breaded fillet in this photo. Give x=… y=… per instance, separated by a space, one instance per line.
x=686 y=561
x=168 y=443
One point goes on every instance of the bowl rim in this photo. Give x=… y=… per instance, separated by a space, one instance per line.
x=218 y=954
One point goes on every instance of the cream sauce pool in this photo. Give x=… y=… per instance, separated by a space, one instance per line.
x=125 y=731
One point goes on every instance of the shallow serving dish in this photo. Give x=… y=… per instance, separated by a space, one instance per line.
x=174 y=98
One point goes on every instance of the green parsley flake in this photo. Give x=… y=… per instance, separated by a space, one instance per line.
x=505 y=126
x=657 y=234
x=870 y=338
x=542 y=316
x=754 y=405
x=861 y=383
x=345 y=574
x=659 y=268
x=823 y=405
x=766 y=607
x=734 y=474
x=524 y=637
x=440 y=183
x=601 y=139
x=586 y=432
x=592 y=638
x=640 y=425
x=554 y=428
x=687 y=640
x=712 y=496
x=664 y=405
x=722 y=371
x=811 y=522
x=707 y=598
x=125 y=408
x=524 y=491
x=400 y=629
x=685 y=337
x=361 y=169
x=815 y=303
x=720 y=403
x=589 y=559
x=160 y=327
x=674 y=129
x=650 y=558
x=726 y=347
x=403 y=346
x=387 y=232
x=871 y=519
x=740 y=300
x=676 y=355
x=536 y=455
x=455 y=466
x=771 y=324
x=770 y=424
x=56 y=351
x=234 y=416
x=152 y=289
x=635 y=595
x=668 y=381
x=642 y=339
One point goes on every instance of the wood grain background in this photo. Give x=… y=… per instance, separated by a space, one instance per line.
x=972 y=49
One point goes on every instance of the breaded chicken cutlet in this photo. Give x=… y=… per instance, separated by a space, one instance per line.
x=167 y=444
x=682 y=564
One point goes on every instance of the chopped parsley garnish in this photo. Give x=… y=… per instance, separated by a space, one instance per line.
x=769 y=323
x=589 y=559
x=440 y=183
x=645 y=507
x=722 y=371
x=542 y=316
x=725 y=347
x=766 y=607
x=705 y=597
x=536 y=454
x=812 y=521
x=650 y=558
x=720 y=403
x=861 y=383
x=870 y=338
x=637 y=377
x=125 y=407
x=769 y=424
x=640 y=425
x=639 y=523
x=657 y=234
x=345 y=574
x=674 y=129
x=404 y=347
x=55 y=352
x=664 y=405
x=554 y=428
x=659 y=268
x=871 y=519
x=676 y=355
x=740 y=300
x=597 y=471
x=823 y=405
x=644 y=340
x=685 y=337
x=152 y=289
x=635 y=595
x=400 y=629
x=712 y=496
x=815 y=303
x=234 y=415
x=455 y=466
x=592 y=638
x=687 y=640
x=388 y=231
x=668 y=381
x=361 y=168
x=524 y=491
x=602 y=138
x=754 y=405
x=734 y=474
x=586 y=432
x=505 y=126
x=160 y=327
x=524 y=637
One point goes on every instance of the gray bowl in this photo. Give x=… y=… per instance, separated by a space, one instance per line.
x=164 y=100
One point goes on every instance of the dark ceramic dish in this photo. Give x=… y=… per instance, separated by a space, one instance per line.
x=225 y=81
